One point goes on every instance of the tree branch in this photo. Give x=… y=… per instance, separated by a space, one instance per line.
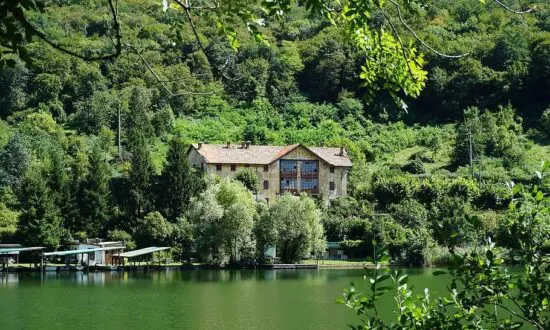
x=520 y=12
x=533 y=322
x=397 y=36
x=160 y=81
x=19 y=16
x=420 y=40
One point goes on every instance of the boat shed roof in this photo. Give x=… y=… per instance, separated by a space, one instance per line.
x=81 y=251
x=20 y=249
x=135 y=253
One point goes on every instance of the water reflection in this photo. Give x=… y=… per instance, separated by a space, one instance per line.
x=81 y=278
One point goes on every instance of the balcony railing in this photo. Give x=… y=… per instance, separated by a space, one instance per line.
x=289 y=174
x=308 y=175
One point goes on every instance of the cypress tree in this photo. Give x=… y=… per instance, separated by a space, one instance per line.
x=179 y=182
x=141 y=172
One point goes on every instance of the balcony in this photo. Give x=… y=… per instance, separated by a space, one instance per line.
x=289 y=174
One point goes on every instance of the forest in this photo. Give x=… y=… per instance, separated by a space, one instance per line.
x=98 y=148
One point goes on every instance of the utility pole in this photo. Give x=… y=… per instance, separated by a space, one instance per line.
x=470 y=148
x=119 y=133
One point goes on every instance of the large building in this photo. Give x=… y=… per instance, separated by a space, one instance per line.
x=295 y=168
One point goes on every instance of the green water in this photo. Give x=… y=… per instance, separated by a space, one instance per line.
x=205 y=299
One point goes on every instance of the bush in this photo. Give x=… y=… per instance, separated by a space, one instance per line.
x=414 y=167
x=429 y=190
x=410 y=213
x=122 y=236
x=249 y=178
x=492 y=196
x=355 y=248
x=393 y=187
x=464 y=189
x=450 y=221
x=153 y=229
x=423 y=156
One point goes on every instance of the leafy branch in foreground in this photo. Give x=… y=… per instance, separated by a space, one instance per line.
x=483 y=293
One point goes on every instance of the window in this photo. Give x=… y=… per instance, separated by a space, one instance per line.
x=308 y=167
x=266 y=168
x=233 y=167
x=202 y=166
x=218 y=167
x=331 y=185
x=332 y=169
x=266 y=184
x=289 y=167
x=288 y=184
x=309 y=185
x=267 y=201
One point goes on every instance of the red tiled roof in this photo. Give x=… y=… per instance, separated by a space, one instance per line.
x=263 y=155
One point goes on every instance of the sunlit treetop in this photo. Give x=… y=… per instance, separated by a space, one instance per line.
x=392 y=61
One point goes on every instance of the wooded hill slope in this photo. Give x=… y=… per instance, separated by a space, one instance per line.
x=63 y=176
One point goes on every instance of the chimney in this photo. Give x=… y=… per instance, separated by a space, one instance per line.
x=228 y=145
x=200 y=145
x=247 y=144
x=243 y=145
x=342 y=151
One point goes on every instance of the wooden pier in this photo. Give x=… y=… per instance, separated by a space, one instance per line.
x=289 y=266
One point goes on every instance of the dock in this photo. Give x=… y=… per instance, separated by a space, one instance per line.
x=289 y=266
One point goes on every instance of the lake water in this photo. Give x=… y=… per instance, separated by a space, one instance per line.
x=198 y=299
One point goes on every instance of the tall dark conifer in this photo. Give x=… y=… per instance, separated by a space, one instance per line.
x=178 y=183
x=94 y=209
x=40 y=221
x=141 y=171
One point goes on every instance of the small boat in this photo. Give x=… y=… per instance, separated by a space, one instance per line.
x=51 y=268
x=77 y=268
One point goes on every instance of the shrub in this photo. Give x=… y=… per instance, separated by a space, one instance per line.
x=429 y=190
x=409 y=213
x=423 y=156
x=414 y=167
x=492 y=196
x=249 y=178
x=122 y=236
x=464 y=189
x=153 y=229
x=393 y=187
x=449 y=220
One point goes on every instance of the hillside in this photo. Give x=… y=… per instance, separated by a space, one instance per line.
x=64 y=174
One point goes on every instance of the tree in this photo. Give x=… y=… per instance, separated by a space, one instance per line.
x=294 y=226
x=182 y=239
x=483 y=294
x=14 y=161
x=9 y=220
x=179 y=181
x=95 y=194
x=40 y=222
x=117 y=235
x=153 y=230
x=249 y=178
x=223 y=216
x=141 y=168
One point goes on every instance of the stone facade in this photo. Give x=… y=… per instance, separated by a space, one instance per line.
x=303 y=169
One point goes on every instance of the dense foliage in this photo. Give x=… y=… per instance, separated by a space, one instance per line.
x=97 y=148
x=483 y=293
